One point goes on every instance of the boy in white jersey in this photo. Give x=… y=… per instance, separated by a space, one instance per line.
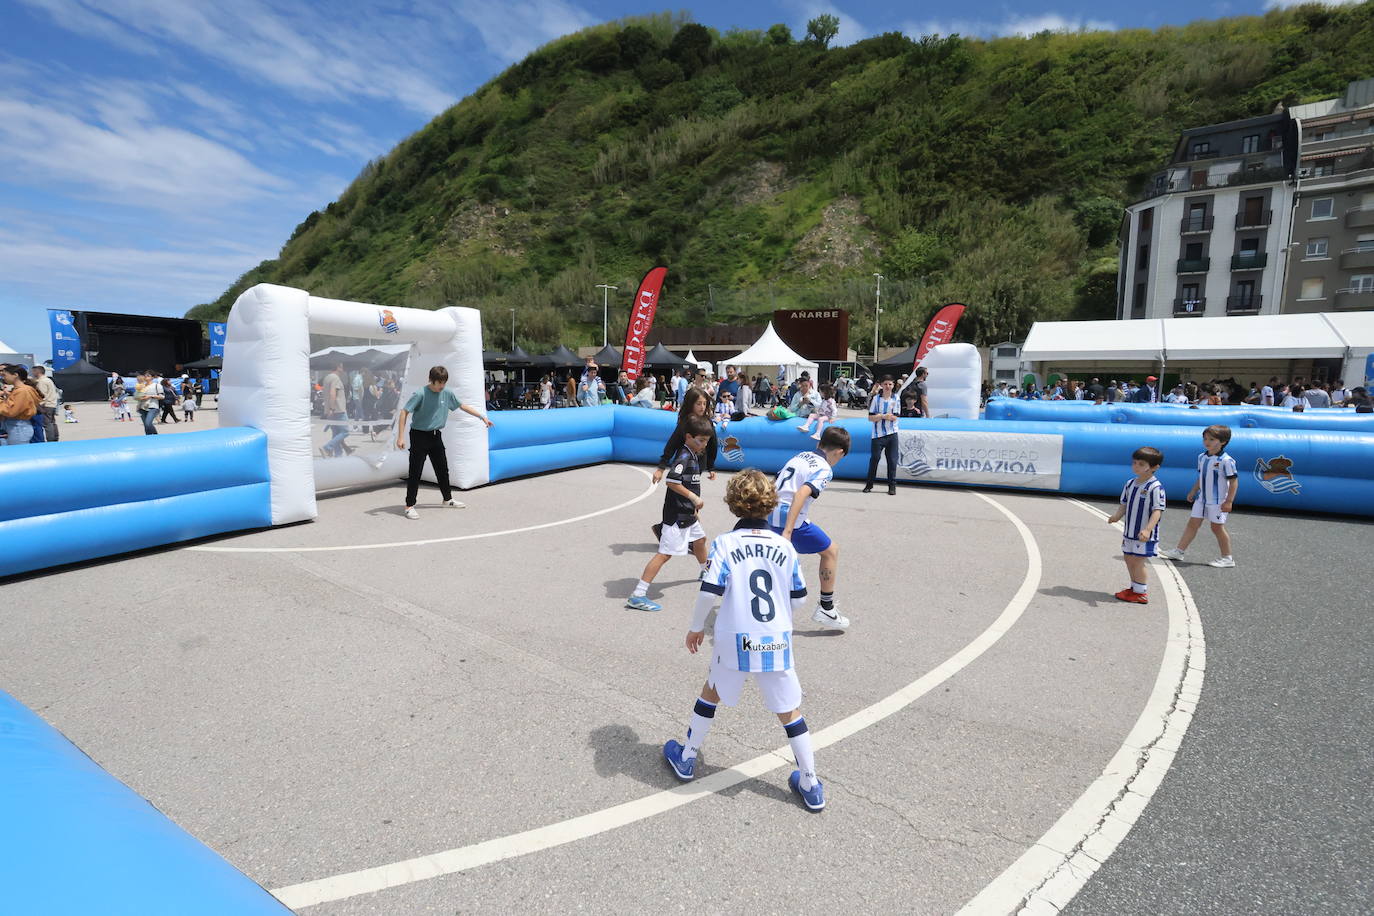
x=757 y=577
x=1142 y=503
x=801 y=480
x=1213 y=496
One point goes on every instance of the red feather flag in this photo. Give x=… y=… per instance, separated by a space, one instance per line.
x=641 y=320
x=939 y=331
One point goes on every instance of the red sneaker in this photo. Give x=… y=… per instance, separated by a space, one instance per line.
x=1133 y=597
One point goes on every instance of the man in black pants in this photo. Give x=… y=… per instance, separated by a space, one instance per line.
x=882 y=413
x=430 y=406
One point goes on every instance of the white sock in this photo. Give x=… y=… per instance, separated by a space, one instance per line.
x=703 y=714
x=1139 y=587
x=641 y=589
x=800 y=739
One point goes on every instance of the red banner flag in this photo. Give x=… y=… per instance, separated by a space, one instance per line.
x=641 y=320
x=939 y=331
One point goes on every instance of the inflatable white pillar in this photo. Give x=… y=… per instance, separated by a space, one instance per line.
x=266 y=385
x=954 y=381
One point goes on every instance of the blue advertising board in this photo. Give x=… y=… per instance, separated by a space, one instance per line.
x=217 y=329
x=66 y=344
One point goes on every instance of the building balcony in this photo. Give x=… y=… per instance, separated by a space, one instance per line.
x=1254 y=222
x=1243 y=305
x=1193 y=224
x=1194 y=265
x=1254 y=261
x=1357 y=258
x=1188 y=308
x=1359 y=218
x=1362 y=298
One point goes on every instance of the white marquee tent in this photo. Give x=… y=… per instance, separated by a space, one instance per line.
x=699 y=363
x=769 y=352
x=1348 y=336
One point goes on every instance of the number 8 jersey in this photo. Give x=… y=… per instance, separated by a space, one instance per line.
x=756 y=573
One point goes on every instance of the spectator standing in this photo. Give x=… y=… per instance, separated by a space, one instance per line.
x=1147 y=393
x=168 y=402
x=729 y=384
x=679 y=387
x=146 y=398
x=1316 y=396
x=883 y=413
x=546 y=392
x=1339 y=393
x=19 y=404
x=47 y=393
x=919 y=387
x=1267 y=392
x=335 y=409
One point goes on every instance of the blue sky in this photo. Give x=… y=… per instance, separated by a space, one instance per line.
x=151 y=151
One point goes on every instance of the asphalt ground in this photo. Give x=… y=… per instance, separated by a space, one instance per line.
x=312 y=703
x=1267 y=808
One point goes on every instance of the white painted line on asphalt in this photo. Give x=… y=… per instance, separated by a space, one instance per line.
x=1048 y=875
x=371 y=880
x=209 y=548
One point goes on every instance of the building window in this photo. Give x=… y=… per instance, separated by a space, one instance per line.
x=1138 y=306
x=1192 y=251
x=1320 y=135
x=1245 y=294
x=1250 y=144
x=1191 y=299
x=1201 y=148
x=1323 y=207
x=1249 y=247
x=1313 y=288
x=1147 y=219
x=1143 y=261
x=1323 y=168
x=1362 y=283
x=1364 y=243
x=1316 y=248
x=1006 y=375
x=1005 y=352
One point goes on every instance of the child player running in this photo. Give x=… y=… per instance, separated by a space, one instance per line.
x=802 y=480
x=1213 y=496
x=755 y=574
x=1142 y=503
x=681 y=532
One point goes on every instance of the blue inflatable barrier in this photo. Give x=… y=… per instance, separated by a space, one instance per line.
x=1302 y=470
x=77 y=840
x=1239 y=417
x=69 y=501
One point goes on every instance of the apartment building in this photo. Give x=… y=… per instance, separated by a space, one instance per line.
x=1209 y=234
x=1331 y=265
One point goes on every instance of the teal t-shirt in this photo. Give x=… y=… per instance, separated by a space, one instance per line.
x=429 y=410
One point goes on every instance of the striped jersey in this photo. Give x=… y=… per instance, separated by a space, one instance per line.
x=880 y=404
x=809 y=470
x=1140 y=500
x=757 y=574
x=1214 y=476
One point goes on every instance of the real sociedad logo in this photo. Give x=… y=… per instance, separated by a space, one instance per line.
x=387 y=321
x=913 y=456
x=1276 y=475
x=217 y=330
x=62 y=317
x=731 y=449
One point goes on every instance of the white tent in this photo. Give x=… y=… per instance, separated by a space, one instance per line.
x=771 y=353
x=1068 y=341
x=699 y=363
x=5 y=348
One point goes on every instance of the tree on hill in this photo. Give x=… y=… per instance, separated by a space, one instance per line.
x=822 y=29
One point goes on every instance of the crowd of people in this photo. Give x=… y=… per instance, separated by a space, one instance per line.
x=1296 y=394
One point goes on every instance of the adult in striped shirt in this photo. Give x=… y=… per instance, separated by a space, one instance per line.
x=1142 y=506
x=1213 y=496
x=883 y=411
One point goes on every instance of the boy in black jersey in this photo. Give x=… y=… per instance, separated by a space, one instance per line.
x=682 y=532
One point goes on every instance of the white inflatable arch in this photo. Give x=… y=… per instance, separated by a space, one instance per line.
x=266 y=384
x=955 y=380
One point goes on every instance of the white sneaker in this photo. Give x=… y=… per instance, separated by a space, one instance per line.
x=1171 y=553
x=1223 y=563
x=455 y=504
x=411 y=513
x=831 y=618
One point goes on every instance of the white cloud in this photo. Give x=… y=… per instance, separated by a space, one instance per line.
x=512 y=30
x=1021 y=24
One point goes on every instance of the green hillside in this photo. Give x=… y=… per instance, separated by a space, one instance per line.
x=768 y=171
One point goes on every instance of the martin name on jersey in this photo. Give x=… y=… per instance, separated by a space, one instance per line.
x=757 y=574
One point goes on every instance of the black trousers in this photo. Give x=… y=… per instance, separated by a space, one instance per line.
x=883 y=444
x=428 y=444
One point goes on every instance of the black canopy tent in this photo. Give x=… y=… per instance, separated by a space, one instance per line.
x=608 y=357
x=563 y=358
x=209 y=362
x=660 y=357
x=519 y=359
x=494 y=359
x=899 y=363
x=82 y=381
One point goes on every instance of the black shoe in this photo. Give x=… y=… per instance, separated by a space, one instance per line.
x=892 y=489
x=658 y=531
x=868 y=488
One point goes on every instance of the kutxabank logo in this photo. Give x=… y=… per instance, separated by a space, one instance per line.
x=1276 y=475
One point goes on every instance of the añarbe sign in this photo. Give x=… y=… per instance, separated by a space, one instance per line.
x=814 y=333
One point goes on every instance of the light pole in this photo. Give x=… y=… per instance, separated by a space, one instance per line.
x=877 y=310
x=512 y=330
x=605 y=300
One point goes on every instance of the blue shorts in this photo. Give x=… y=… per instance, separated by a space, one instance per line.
x=808 y=538
x=1134 y=548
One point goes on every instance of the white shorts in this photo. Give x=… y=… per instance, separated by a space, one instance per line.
x=1209 y=511
x=677 y=542
x=1135 y=548
x=781 y=690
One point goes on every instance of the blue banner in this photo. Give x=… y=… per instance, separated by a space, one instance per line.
x=66 y=345
x=217 y=337
x=1369 y=370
